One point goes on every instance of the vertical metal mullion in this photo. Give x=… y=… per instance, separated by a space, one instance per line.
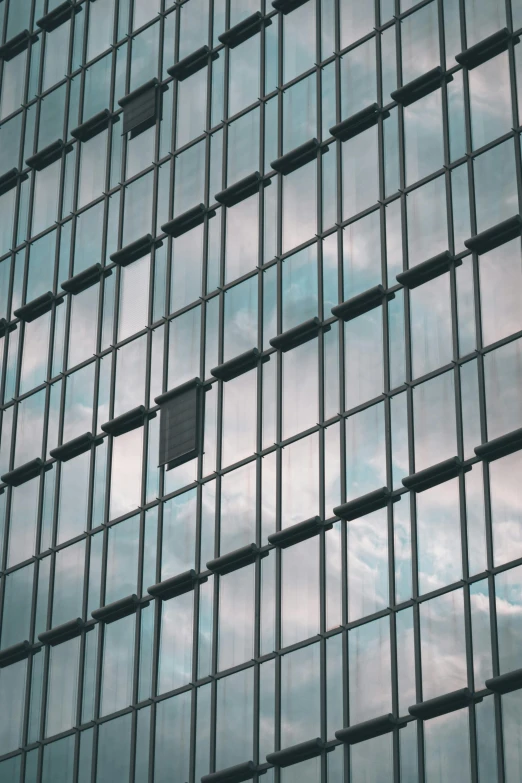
x=471 y=681
x=277 y=711
x=157 y=609
x=193 y=734
x=395 y=694
x=76 y=758
x=418 y=687
x=323 y=699
x=496 y=671
x=345 y=687
x=5 y=338
x=29 y=678
x=94 y=757
x=142 y=607
x=152 y=745
x=133 y=743
x=213 y=713
x=46 y=652
x=83 y=643
x=99 y=676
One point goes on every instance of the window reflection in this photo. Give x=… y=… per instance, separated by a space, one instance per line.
x=118 y=659
x=68 y=584
x=172 y=747
x=506 y=507
x=300 y=591
x=175 y=657
x=361 y=255
x=372 y=760
x=438 y=536
x=500 y=273
x=446 y=743
x=62 y=686
x=300 y=481
x=12 y=685
x=360 y=173
x=299 y=206
x=300 y=696
x=367 y=552
x=423 y=136
x=179 y=534
x=509 y=628
x=236 y=617
x=427 y=221
x=495 y=187
x=512 y=715
x=122 y=559
x=114 y=744
x=443 y=646
x=238 y=508
x=16 y=616
x=434 y=420
x=503 y=374
x=365 y=462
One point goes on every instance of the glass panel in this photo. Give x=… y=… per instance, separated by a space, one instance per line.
x=12 y=686
x=367 y=553
x=358 y=78
x=118 y=659
x=443 y=646
x=299 y=206
x=68 y=584
x=300 y=481
x=363 y=358
x=365 y=452
x=114 y=745
x=300 y=591
x=434 y=420
x=178 y=550
x=424 y=141
x=18 y=593
x=126 y=473
x=372 y=760
x=495 y=185
x=500 y=274
x=490 y=94
x=172 y=749
x=506 y=507
x=360 y=172
x=175 y=661
x=420 y=41
x=62 y=686
x=503 y=374
x=300 y=696
x=122 y=559
x=427 y=221
x=509 y=625
x=446 y=743
x=369 y=669
x=234 y=719
x=238 y=508
x=361 y=255
x=438 y=536
x=512 y=716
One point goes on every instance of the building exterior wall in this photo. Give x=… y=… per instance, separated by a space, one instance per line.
x=389 y=426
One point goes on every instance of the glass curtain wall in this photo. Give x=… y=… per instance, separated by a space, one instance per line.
x=331 y=189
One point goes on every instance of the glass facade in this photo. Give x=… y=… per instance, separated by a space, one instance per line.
x=277 y=245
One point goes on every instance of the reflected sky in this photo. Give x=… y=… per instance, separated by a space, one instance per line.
x=299 y=479
x=443 y=646
x=446 y=743
x=369 y=670
x=438 y=536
